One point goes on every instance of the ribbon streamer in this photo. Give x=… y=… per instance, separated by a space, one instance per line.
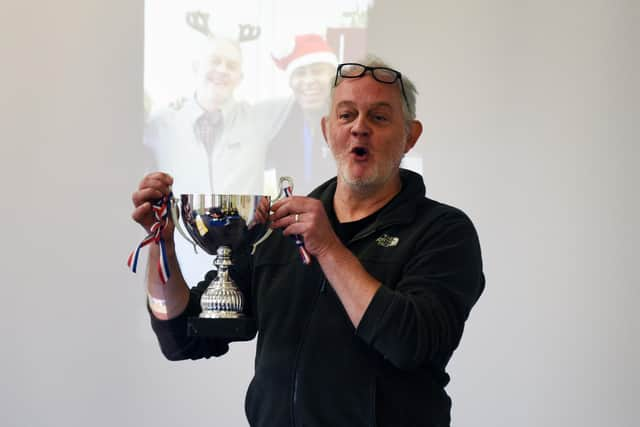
x=161 y=213
x=306 y=257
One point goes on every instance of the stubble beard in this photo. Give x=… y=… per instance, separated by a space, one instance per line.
x=376 y=178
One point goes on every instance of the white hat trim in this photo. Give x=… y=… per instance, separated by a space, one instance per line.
x=311 y=58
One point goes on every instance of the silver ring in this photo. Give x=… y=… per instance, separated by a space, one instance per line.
x=296 y=218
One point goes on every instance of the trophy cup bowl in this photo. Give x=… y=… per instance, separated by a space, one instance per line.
x=222 y=225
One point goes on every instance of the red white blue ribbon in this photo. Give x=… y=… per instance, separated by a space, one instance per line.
x=306 y=257
x=161 y=213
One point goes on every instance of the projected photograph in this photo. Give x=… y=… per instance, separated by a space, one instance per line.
x=234 y=94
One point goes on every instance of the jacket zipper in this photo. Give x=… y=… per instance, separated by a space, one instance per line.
x=323 y=289
x=294 y=394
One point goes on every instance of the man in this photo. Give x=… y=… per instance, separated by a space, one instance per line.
x=297 y=148
x=210 y=142
x=362 y=336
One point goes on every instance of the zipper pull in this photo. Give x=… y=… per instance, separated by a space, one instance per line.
x=323 y=287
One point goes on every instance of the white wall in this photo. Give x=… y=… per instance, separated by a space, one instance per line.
x=528 y=110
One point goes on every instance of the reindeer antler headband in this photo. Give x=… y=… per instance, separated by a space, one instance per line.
x=199 y=21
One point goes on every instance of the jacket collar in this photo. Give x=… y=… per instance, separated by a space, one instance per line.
x=400 y=210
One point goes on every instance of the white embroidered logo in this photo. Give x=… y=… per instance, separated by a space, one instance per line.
x=387 y=241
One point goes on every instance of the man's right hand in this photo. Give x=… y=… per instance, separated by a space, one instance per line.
x=152 y=187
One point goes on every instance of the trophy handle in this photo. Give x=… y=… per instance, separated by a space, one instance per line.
x=174 y=216
x=262 y=239
x=284 y=182
x=286 y=190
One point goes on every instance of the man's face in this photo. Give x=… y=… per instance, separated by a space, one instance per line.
x=218 y=72
x=310 y=85
x=367 y=133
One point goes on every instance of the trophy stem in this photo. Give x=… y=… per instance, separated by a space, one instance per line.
x=222 y=299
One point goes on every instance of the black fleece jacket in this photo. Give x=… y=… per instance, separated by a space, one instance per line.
x=312 y=367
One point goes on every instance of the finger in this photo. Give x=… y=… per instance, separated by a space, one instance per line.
x=141 y=213
x=156 y=178
x=287 y=221
x=146 y=195
x=281 y=209
x=162 y=176
x=292 y=205
x=261 y=217
x=294 y=228
x=160 y=186
x=154 y=181
x=288 y=200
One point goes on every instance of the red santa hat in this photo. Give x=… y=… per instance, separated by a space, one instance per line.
x=307 y=49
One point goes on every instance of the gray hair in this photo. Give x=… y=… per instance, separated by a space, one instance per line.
x=408 y=107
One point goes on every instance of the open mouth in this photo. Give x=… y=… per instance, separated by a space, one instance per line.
x=360 y=153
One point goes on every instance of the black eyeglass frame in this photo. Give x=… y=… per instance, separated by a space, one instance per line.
x=365 y=68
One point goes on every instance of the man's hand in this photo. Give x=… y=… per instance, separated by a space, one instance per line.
x=166 y=300
x=152 y=187
x=262 y=211
x=306 y=217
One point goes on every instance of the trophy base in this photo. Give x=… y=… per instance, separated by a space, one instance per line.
x=220 y=314
x=238 y=329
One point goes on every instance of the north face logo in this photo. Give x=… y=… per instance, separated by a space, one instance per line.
x=387 y=241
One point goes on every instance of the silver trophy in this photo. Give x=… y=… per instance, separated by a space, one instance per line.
x=223 y=225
